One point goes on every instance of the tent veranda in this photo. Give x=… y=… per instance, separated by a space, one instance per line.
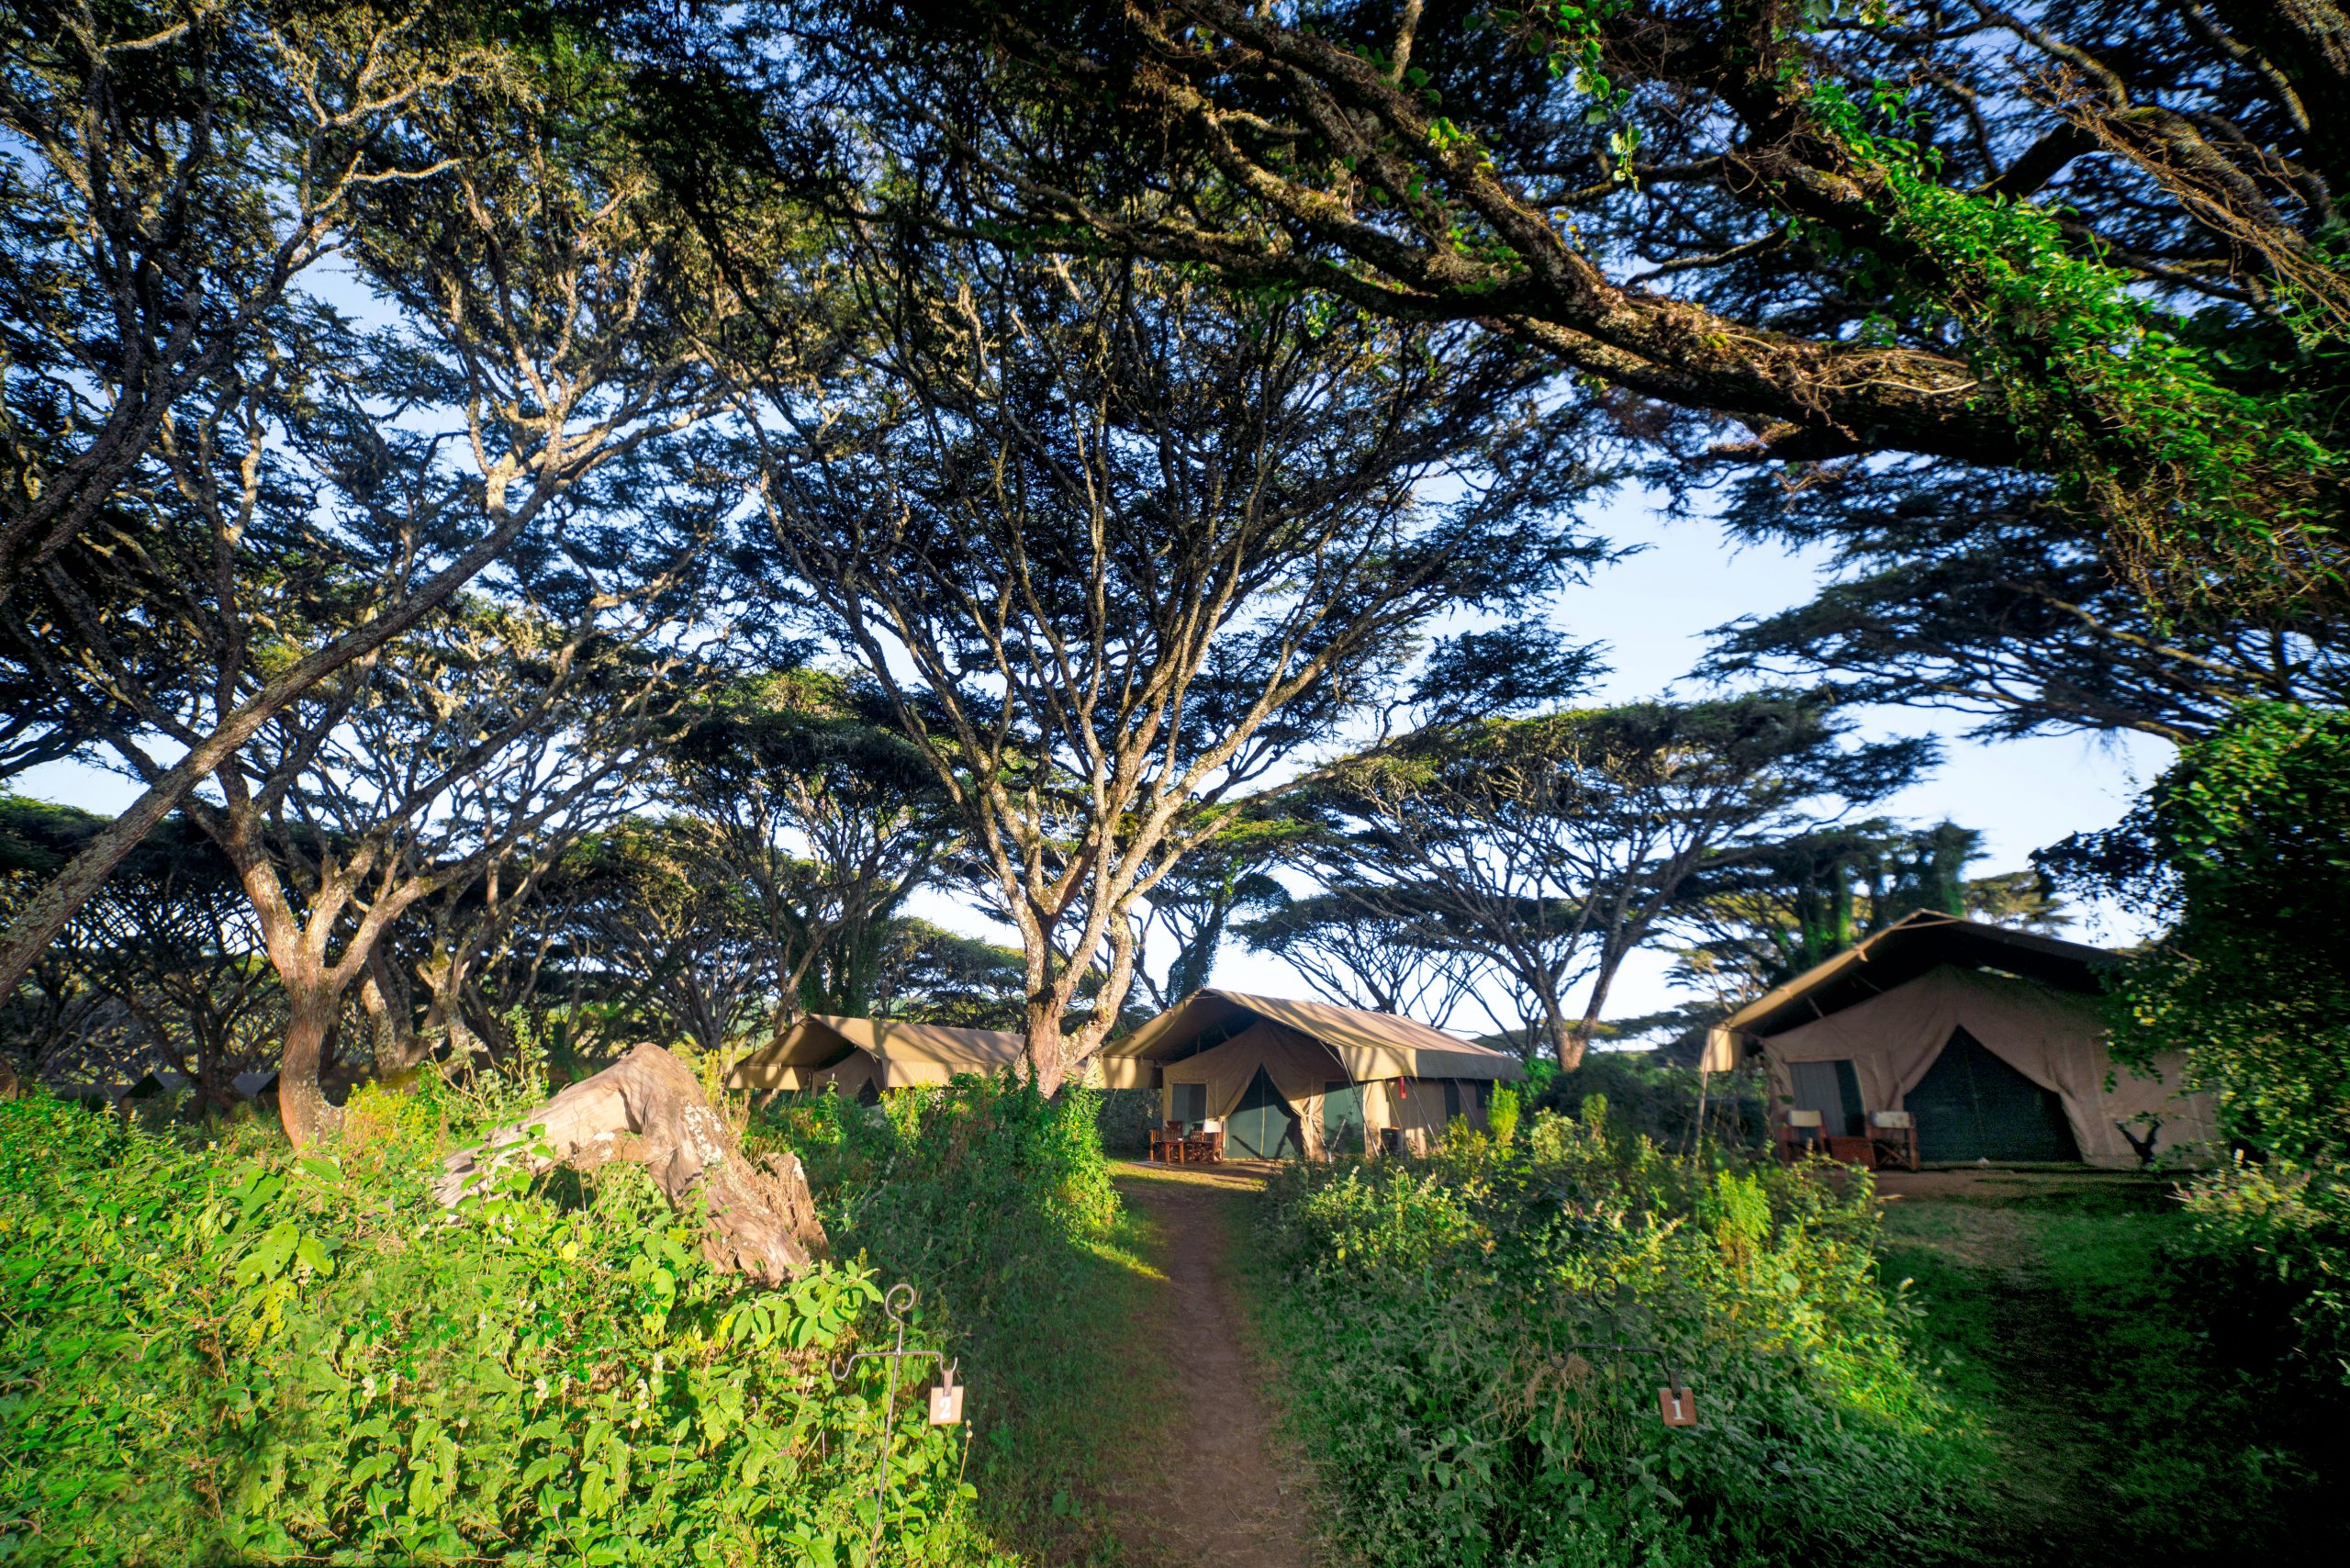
x=855 y=1055
x=1306 y=1078
x=1990 y=1039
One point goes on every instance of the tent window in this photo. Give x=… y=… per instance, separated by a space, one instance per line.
x=1341 y=1117
x=1451 y=1098
x=1833 y=1089
x=1189 y=1104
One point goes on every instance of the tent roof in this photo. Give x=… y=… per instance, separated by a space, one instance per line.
x=908 y=1053
x=1910 y=947
x=1370 y=1044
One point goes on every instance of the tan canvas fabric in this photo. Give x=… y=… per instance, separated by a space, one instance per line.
x=848 y=1076
x=904 y=1055
x=1298 y=1065
x=2054 y=1038
x=1369 y=1045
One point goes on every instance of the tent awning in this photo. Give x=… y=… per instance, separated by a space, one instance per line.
x=1369 y=1045
x=905 y=1054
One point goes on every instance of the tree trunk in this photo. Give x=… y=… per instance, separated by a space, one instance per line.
x=649 y=1108
x=8 y=1086
x=311 y=1011
x=1047 y=1051
x=1569 y=1040
x=394 y=1042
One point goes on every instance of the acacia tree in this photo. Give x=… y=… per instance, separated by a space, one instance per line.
x=2080 y=243
x=1368 y=952
x=489 y=734
x=679 y=953
x=529 y=401
x=1226 y=878
x=172 y=174
x=795 y=789
x=1759 y=921
x=169 y=942
x=1548 y=849
x=1113 y=543
x=1976 y=597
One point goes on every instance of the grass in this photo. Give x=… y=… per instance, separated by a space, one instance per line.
x=1066 y=1389
x=2138 y=1416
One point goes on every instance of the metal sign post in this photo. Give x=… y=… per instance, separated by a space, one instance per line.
x=1676 y=1403
x=945 y=1400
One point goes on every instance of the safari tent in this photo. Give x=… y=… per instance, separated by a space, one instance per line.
x=1305 y=1079
x=1989 y=1039
x=864 y=1058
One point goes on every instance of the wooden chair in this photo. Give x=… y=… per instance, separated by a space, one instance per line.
x=1167 y=1143
x=1893 y=1136
x=1860 y=1152
x=1802 y=1133
x=1207 y=1143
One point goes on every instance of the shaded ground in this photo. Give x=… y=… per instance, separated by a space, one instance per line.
x=2125 y=1430
x=1210 y=1483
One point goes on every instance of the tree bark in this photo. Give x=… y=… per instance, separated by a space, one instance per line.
x=649 y=1108
x=394 y=1043
x=302 y=1104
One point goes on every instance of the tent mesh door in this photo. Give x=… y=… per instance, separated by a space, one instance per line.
x=1972 y=1106
x=1341 y=1117
x=1263 y=1127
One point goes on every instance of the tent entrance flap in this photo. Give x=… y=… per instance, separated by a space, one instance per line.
x=1972 y=1106
x=1263 y=1125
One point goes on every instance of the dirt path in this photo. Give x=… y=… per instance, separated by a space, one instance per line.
x=1211 y=1483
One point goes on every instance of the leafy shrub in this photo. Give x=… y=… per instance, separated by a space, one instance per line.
x=996 y=1202
x=1126 y=1119
x=214 y=1353
x=1475 y=1344
x=2241 y=843
x=1501 y=1116
x=1657 y=1098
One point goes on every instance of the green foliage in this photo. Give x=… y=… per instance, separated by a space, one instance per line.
x=1444 y=1330
x=996 y=1200
x=222 y=1354
x=1126 y=1119
x=2245 y=840
x=2211 y=491
x=1501 y=1116
x=1655 y=1098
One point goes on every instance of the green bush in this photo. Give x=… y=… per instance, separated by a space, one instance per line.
x=214 y=1353
x=1657 y=1097
x=2245 y=844
x=1501 y=1116
x=1126 y=1117
x=1474 y=1346
x=996 y=1202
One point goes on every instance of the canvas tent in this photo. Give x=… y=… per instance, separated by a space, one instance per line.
x=865 y=1057
x=1304 y=1080
x=1989 y=1039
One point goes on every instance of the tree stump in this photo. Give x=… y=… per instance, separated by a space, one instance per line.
x=758 y=1219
